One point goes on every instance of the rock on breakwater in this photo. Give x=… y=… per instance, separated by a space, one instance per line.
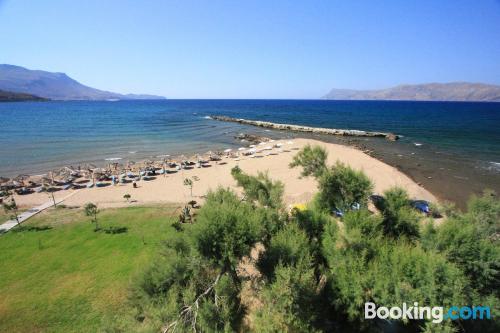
x=299 y=128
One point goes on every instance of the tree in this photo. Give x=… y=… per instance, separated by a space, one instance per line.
x=194 y=284
x=127 y=197
x=471 y=241
x=289 y=303
x=289 y=247
x=312 y=160
x=91 y=210
x=261 y=189
x=318 y=271
x=341 y=187
x=400 y=219
x=189 y=183
x=389 y=272
x=226 y=229
x=50 y=193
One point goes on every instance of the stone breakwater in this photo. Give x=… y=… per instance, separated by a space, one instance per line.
x=299 y=128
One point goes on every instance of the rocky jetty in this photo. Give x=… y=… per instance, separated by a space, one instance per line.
x=299 y=128
x=252 y=138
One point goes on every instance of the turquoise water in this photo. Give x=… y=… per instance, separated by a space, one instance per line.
x=36 y=137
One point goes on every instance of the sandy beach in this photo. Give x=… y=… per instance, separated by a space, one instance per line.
x=170 y=188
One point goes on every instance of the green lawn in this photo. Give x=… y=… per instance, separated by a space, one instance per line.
x=70 y=278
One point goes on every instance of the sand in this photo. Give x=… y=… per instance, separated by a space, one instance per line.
x=170 y=189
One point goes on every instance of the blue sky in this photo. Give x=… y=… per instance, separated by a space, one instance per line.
x=253 y=49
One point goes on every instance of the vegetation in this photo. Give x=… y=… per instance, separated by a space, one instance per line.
x=189 y=183
x=92 y=211
x=341 y=188
x=400 y=219
x=59 y=276
x=127 y=197
x=312 y=160
x=248 y=264
x=317 y=270
x=11 y=209
x=47 y=189
x=9 y=96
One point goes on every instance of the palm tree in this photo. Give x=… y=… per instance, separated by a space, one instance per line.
x=92 y=211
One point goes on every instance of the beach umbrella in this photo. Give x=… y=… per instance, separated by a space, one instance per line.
x=228 y=150
x=253 y=146
x=290 y=142
x=242 y=148
x=279 y=144
x=271 y=140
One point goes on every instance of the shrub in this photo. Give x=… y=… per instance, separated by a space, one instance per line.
x=289 y=247
x=400 y=219
x=260 y=189
x=312 y=160
x=288 y=302
x=340 y=187
x=226 y=228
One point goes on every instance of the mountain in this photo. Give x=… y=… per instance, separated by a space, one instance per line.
x=57 y=86
x=454 y=91
x=8 y=96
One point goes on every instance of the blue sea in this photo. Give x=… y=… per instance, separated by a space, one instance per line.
x=38 y=136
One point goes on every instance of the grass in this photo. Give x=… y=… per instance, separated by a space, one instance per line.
x=68 y=278
x=4 y=217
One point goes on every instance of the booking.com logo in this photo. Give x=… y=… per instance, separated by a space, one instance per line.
x=434 y=313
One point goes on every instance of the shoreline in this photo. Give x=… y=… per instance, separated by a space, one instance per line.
x=447 y=179
x=170 y=187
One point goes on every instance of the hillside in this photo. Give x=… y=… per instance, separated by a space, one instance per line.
x=7 y=96
x=56 y=86
x=455 y=91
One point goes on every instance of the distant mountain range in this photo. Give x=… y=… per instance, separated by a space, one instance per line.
x=454 y=91
x=7 y=96
x=56 y=86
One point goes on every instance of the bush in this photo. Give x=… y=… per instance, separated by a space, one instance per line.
x=260 y=189
x=181 y=285
x=393 y=273
x=288 y=302
x=313 y=219
x=226 y=228
x=289 y=247
x=340 y=187
x=312 y=160
x=400 y=219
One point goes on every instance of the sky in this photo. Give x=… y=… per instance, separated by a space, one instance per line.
x=253 y=49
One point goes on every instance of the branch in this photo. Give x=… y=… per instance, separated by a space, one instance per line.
x=192 y=310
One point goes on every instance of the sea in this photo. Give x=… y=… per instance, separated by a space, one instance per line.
x=453 y=148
